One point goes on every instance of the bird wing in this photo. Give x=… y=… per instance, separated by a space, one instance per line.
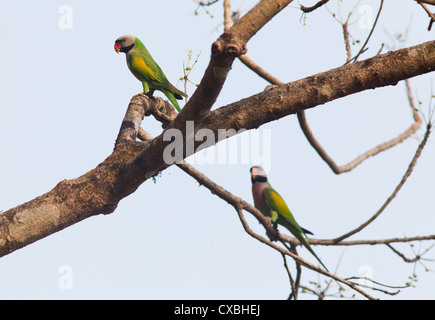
x=145 y=67
x=277 y=203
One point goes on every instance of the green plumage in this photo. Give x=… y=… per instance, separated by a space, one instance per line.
x=146 y=70
x=272 y=205
x=282 y=215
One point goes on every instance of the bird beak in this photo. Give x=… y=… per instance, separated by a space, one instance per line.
x=253 y=173
x=117 y=47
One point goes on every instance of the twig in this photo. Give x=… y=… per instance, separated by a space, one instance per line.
x=345 y=26
x=346 y=41
x=294 y=292
x=429 y=13
x=317 y=146
x=417 y=257
x=369 y=36
x=228 y=21
x=297 y=258
x=379 y=284
x=370 y=153
x=309 y=134
x=312 y=8
x=324 y=242
x=240 y=205
x=206 y=3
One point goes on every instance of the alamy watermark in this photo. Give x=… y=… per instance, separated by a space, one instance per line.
x=65 y=21
x=66 y=277
x=366 y=276
x=366 y=21
x=233 y=147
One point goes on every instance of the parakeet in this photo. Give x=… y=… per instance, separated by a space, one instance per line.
x=144 y=68
x=272 y=205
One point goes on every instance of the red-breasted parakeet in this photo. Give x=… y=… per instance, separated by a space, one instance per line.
x=272 y=205
x=144 y=68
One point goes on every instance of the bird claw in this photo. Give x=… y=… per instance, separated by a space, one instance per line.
x=273 y=236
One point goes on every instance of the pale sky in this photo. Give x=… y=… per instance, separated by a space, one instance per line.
x=65 y=92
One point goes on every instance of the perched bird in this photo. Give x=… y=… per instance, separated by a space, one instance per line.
x=272 y=205
x=144 y=68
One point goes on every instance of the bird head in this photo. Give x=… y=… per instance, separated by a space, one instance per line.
x=124 y=43
x=258 y=174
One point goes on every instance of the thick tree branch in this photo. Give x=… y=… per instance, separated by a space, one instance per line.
x=139 y=107
x=230 y=45
x=314 y=142
x=279 y=101
x=131 y=163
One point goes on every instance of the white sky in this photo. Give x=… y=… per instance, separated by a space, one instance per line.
x=65 y=92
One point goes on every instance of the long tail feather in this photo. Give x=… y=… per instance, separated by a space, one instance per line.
x=307 y=245
x=172 y=98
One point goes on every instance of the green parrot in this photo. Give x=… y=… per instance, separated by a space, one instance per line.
x=144 y=68
x=272 y=205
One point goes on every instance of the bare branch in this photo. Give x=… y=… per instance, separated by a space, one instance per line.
x=230 y=45
x=312 y=8
x=294 y=292
x=326 y=242
x=370 y=153
x=416 y=258
x=363 y=48
x=379 y=284
x=429 y=13
x=317 y=146
x=297 y=258
x=240 y=205
x=131 y=163
x=396 y=190
x=228 y=22
x=347 y=41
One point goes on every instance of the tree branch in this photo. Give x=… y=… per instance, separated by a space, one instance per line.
x=230 y=45
x=317 y=146
x=279 y=101
x=429 y=13
x=396 y=190
x=333 y=242
x=131 y=163
x=312 y=8
x=370 y=153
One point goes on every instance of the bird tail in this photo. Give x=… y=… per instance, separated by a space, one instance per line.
x=173 y=98
x=307 y=231
x=301 y=237
x=307 y=245
x=178 y=94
